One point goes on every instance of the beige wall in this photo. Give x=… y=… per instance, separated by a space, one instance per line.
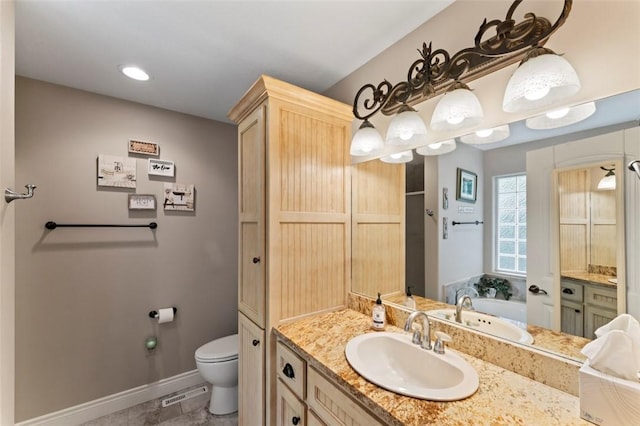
x=83 y=295
x=7 y=212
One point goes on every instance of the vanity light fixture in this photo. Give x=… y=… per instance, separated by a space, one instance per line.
x=484 y=136
x=608 y=182
x=366 y=141
x=561 y=117
x=497 y=44
x=542 y=78
x=459 y=108
x=437 y=148
x=134 y=72
x=398 y=157
x=406 y=128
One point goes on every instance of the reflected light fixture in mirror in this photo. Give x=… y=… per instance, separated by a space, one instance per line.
x=459 y=108
x=494 y=134
x=406 y=128
x=437 y=148
x=398 y=157
x=542 y=78
x=561 y=117
x=608 y=182
x=366 y=141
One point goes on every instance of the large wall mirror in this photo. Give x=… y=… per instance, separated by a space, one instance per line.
x=575 y=254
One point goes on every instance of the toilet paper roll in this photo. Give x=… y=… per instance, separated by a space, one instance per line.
x=165 y=315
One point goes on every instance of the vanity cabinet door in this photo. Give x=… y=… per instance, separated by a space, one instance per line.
x=332 y=405
x=251 y=378
x=572 y=318
x=595 y=318
x=314 y=420
x=289 y=410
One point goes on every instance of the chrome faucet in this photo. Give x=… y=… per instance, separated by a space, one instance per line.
x=460 y=304
x=424 y=339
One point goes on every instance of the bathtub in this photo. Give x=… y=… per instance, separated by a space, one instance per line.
x=511 y=309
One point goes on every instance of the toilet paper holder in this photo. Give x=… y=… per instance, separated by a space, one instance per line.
x=154 y=314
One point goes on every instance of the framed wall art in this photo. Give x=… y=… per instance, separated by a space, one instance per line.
x=142 y=202
x=144 y=148
x=161 y=168
x=116 y=171
x=178 y=196
x=466 y=186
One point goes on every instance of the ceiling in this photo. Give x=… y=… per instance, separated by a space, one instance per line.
x=203 y=55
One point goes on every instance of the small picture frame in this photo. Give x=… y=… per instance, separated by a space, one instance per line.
x=116 y=171
x=161 y=168
x=178 y=196
x=144 y=148
x=142 y=202
x=466 y=186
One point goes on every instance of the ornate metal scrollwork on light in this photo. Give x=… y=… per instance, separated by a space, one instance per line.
x=436 y=70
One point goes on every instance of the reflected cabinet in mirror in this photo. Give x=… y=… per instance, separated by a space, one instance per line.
x=591 y=246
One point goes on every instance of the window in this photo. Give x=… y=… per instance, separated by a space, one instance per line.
x=511 y=224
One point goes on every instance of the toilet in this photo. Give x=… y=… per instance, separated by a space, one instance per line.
x=217 y=363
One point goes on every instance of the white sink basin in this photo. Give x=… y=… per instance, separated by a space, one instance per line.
x=392 y=362
x=500 y=327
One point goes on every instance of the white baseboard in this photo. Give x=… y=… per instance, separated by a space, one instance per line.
x=110 y=404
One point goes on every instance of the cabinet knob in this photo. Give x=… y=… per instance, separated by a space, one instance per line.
x=256 y=260
x=567 y=290
x=295 y=420
x=255 y=342
x=288 y=371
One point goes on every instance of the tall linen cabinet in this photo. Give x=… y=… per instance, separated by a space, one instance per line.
x=294 y=224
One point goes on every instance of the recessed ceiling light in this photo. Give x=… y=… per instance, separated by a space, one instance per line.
x=134 y=73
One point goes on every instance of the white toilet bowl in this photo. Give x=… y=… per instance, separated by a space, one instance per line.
x=217 y=363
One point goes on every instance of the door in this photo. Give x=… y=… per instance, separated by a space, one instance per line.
x=7 y=212
x=251 y=377
x=541 y=240
x=251 y=241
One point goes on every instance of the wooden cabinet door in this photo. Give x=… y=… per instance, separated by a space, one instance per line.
x=595 y=318
x=290 y=411
x=572 y=318
x=251 y=378
x=251 y=205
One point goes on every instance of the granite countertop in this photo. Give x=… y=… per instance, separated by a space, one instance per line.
x=591 y=277
x=543 y=338
x=503 y=397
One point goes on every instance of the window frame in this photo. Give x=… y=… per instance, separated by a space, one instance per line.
x=496 y=227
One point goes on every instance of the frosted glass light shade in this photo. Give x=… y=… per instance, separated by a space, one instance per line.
x=406 y=128
x=495 y=134
x=437 y=148
x=398 y=157
x=607 y=183
x=542 y=79
x=458 y=109
x=554 y=119
x=366 y=141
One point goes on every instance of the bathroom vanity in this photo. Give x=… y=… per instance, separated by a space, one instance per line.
x=317 y=386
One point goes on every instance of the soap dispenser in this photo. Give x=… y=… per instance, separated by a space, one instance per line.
x=409 y=301
x=378 y=315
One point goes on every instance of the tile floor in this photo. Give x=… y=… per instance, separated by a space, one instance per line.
x=190 y=412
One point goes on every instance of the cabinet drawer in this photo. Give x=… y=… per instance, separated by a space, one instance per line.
x=290 y=411
x=291 y=370
x=602 y=296
x=571 y=290
x=332 y=405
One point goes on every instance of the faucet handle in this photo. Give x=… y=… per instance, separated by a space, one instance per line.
x=441 y=340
